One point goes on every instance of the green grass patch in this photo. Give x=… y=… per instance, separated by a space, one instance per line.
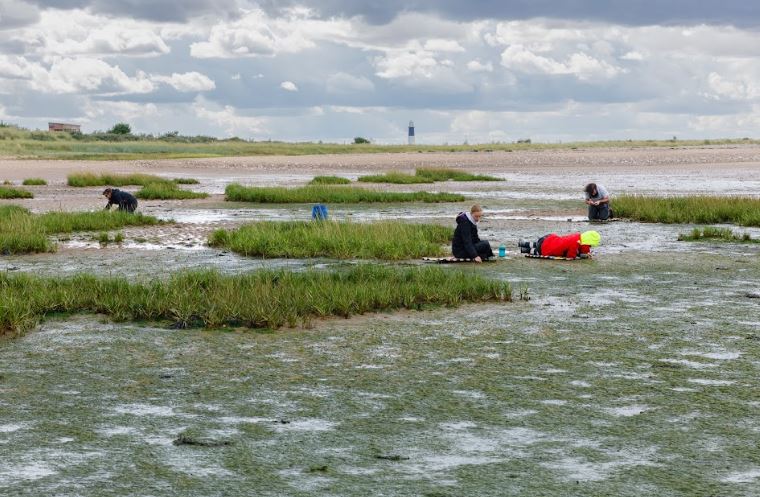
x=444 y=174
x=24 y=232
x=395 y=177
x=426 y=175
x=330 y=193
x=7 y=193
x=167 y=191
x=702 y=209
x=135 y=179
x=34 y=182
x=263 y=299
x=106 y=179
x=329 y=180
x=391 y=240
x=709 y=233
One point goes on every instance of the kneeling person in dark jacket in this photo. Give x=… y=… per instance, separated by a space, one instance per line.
x=466 y=243
x=126 y=201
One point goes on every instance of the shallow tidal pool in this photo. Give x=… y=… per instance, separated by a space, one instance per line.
x=632 y=374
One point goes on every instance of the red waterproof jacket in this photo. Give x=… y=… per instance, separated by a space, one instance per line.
x=563 y=246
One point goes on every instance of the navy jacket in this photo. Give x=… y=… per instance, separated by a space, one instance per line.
x=120 y=198
x=465 y=238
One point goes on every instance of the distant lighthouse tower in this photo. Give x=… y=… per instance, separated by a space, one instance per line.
x=411 y=132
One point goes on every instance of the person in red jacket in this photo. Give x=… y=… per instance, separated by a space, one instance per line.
x=570 y=246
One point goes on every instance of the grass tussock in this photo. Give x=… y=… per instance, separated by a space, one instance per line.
x=702 y=209
x=8 y=193
x=329 y=180
x=391 y=240
x=167 y=191
x=34 y=182
x=426 y=175
x=709 y=233
x=135 y=179
x=444 y=174
x=23 y=232
x=396 y=178
x=263 y=299
x=330 y=193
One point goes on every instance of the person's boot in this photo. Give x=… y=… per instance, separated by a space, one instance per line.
x=524 y=246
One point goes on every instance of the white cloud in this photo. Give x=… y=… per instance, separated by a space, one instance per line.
x=404 y=64
x=256 y=34
x=288 y=86
x=342 y=82
x=235 y=77
x=440 y=45
x=75 y=75
x=581 y=65
x=732 y=89
x=118 y=110
x=228 y=119
x=632 y=55
x=477 y=66
x=79 y=32
x=187 y=82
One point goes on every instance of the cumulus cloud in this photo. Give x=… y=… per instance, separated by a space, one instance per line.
x=477 y=66
x=187 y=82
x=257 y=35
x=580 y=65
x=78 y=32
x=288 y=86
x=228 y=119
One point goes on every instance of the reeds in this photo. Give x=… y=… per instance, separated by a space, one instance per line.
x=167 y=190
x=34 y=182
x=390 y=240
x=329 y=180
x=24 y=232
x=263 y=299
x=426 y=175
x=331 y=194
x=702 y=209
x=8 y=193
x=709 y=233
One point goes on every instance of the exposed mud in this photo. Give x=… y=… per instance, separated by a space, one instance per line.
x=630 y=374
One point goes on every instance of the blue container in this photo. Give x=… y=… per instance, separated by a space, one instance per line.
x=319 y=212
x=502 y=251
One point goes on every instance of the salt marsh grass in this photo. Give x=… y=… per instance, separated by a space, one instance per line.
x=390 y=240
x=395 y=177
x=330 y=193
x=703 y=209
x=8 y=193
x=445 y=174
x=135 y=179
x=329 y=180
x=167 y=191
x=709 y=233
x=426 y=175
x=34 y=182
x=263 y=299
x=24 y=232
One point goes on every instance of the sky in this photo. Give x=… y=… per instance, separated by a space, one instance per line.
x=465 y=71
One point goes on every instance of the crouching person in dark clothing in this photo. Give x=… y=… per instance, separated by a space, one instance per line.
x=126 y=201
x=466 y=243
